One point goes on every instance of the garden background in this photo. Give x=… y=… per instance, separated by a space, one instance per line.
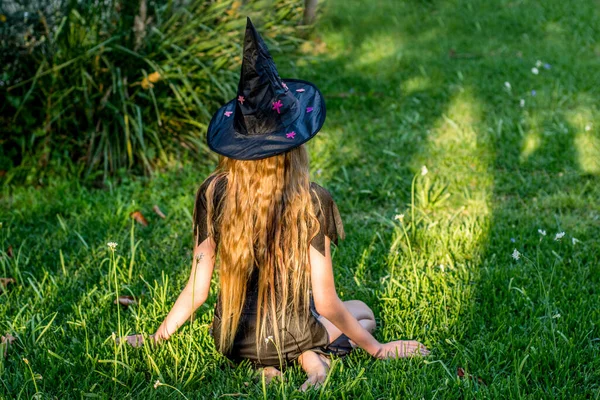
x=462 y=146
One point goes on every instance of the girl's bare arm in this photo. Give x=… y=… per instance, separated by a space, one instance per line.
x=194 y=294
x=329 y=305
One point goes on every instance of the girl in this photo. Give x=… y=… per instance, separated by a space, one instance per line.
x=271 y=229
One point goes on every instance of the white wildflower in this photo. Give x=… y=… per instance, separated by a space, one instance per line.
x=424 y=170
x=507 y=85
x=442 y=267
x=538 y=63
x=515 y=254
x=112 y=245
x=535 y=71
x=559 y=236
x=522 y=102
x=542 y=232
x=157 y=384
x=575 y=241
x=268 y=338
x=557 y=315
x=399 y=217
x=588 y=127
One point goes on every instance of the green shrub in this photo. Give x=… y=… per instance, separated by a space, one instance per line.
x=127 y=85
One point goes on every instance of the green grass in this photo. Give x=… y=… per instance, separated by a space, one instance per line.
x=407 y=84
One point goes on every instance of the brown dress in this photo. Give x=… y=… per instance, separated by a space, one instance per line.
x=312 y=335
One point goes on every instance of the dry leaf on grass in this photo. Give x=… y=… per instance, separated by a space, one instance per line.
x=460 y=372
x=9 y=251
x=159 y=212
x=139 y=217
x=127 y=301
x=4 y=282
x=5 y=342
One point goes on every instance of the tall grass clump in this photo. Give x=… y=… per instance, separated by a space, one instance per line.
x=94 y=87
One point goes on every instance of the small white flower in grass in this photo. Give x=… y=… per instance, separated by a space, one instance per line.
x=268 y=338
x=112 y=245
x=399 y=217
x=575 y=241
x=522 y=102
x=535 y=71
x=588 y=127
x=424 y=170
x=542 y=232
x=515 y=254
x=442 y=267
x=559 y=236
x=157 y=384
x=538 y=63
x=556 y=315
x=507 y=85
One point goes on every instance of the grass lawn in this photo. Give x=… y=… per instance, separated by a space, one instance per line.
x=512 y=158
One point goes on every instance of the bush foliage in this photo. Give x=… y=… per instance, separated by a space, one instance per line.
x=119 y=85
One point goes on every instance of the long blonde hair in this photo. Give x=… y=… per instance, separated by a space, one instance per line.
x=267 y=222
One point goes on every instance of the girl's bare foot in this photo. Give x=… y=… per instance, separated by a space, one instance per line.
x=270 y=373
x=316 y=367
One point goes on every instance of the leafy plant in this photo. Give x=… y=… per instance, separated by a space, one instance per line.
x=121 y=85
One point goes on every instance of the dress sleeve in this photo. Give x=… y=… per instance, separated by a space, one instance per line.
x=329 y=218
x=200 y=224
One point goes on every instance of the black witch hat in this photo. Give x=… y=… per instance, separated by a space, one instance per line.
x=270 y=115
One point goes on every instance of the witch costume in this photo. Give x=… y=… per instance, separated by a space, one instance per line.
x=270 y=116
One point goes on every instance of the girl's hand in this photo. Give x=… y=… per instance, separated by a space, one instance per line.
x=401 y=349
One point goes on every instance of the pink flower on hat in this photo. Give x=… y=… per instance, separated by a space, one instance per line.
x=228 y=113
x=277 y=105
x=290 y=135
x=241 y=99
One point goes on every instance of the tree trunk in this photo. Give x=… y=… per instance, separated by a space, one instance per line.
x=310 y=11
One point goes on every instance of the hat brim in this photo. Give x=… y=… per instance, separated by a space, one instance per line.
x=223 y=138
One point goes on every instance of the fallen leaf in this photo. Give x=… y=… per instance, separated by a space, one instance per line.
x=8 y=338
x=9 y=251
x=159 y=212
x=4 y=282
x=139 y=217
x=127 y=301
x=5 y=342
x=460 y=372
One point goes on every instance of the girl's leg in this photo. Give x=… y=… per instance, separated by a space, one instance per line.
x=360 y=311
x=316 y=367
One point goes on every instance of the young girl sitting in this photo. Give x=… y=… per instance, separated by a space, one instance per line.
x=271 y=229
